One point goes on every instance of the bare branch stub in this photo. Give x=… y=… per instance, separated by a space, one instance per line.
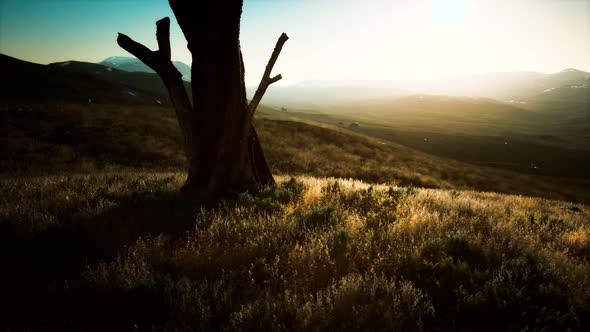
x=163 y=37
x=276 y=78
x=141 y=52
x=264 y=83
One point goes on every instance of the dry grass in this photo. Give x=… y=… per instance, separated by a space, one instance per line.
x=121 y=250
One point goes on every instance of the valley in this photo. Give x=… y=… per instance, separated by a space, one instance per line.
x=420 y=140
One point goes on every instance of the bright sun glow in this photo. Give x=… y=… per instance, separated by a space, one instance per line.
x=448 y=12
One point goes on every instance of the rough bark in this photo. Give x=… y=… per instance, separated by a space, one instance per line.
x=222 y=147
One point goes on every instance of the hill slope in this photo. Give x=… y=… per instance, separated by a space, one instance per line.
x=301 y=256
x=78 y=82
x=473 y=130
x=90 y=138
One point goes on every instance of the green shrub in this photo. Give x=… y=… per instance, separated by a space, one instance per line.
x=324 y=216
x=274 y=198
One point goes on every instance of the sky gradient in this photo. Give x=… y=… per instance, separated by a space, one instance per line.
x=329 y=39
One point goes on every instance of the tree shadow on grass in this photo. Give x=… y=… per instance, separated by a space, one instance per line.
x=40 y=268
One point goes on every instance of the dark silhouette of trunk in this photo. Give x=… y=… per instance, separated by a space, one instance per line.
x=222 y=148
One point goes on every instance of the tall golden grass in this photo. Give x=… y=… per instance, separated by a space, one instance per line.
x=124 y=251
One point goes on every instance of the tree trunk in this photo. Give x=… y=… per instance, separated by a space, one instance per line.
x=219 y=100
x=221 y=145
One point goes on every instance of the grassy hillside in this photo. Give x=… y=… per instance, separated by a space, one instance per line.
x=73 y=138
x=476 y=131
x=443 y=113
x=558 y=114
x=566 y=109
x=123 y=251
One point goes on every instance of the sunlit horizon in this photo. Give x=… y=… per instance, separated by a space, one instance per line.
x=329 y=40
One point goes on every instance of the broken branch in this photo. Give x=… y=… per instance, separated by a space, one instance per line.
x=264 y=83
x=141 y=52
x=160 y=62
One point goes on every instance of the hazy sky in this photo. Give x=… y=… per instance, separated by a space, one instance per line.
x=329 y=39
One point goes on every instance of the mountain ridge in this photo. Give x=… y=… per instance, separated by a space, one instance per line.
x=74 y=81
x=132 y=64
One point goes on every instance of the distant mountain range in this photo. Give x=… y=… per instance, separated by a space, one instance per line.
x=135 y=65
x=567 y=90
x=513 y=87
